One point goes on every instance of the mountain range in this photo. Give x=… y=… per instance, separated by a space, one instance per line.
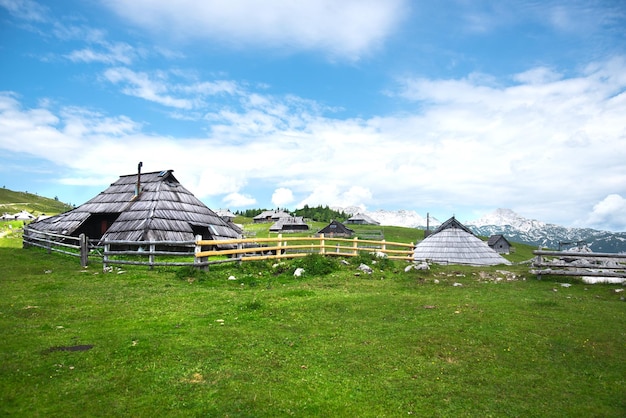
x=514 y=227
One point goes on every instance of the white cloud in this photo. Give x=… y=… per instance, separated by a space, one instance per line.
x=239 y=200
x=282 y=197
x=26 y=9
x=609 y=212
x=470 y=143
x=347 y=29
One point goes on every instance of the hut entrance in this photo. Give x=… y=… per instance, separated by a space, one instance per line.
x=98 y=224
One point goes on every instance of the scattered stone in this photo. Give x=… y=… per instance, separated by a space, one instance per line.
x=566 y=284
x=345 y=262
x=457 y=284
x=436 y=281
x=409 y=268
x=48 y=271
x=619 y=290
x=365 y=268
x=422 y=266
x=429 y=306
x=379 y=254
x=232 y=278
x=299 y=272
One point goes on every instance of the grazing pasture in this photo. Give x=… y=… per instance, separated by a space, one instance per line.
x=450 y=341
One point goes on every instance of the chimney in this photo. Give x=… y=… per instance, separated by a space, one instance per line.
x=138 y=186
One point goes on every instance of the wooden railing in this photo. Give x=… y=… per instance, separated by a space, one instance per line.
x=566 y=263
x=58 y=243
x=201 y=253
x=250 y=249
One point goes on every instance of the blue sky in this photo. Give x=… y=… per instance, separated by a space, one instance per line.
x=448 y=107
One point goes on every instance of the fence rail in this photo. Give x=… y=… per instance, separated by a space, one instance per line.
x=58 y=243
x=566 y=263
x=202 y=253
x=292 y=247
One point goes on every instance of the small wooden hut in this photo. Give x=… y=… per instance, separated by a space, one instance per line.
x=290 y=224
x=499 y=244
x=336 y=229
x=362 y=219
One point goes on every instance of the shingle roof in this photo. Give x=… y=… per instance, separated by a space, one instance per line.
x=456 y=246
x=163 y=211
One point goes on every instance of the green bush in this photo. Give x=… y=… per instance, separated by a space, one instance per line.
x=317 y=265
x=370 y=258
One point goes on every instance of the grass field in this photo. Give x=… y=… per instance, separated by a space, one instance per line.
x=178 y=342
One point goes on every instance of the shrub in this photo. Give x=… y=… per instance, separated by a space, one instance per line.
x=317 y=265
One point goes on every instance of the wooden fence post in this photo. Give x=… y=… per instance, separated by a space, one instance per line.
x=539 y=262
x=197 y=249
x=239 y=247
x=105 y=257
x=151 y=256
x=322 y=245
x=355 y=246
x=84 y=250
x=279 y=244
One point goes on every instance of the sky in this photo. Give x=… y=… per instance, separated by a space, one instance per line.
x=451 y=107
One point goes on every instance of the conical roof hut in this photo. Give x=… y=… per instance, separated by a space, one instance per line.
x=455 y=244
x=141 y=207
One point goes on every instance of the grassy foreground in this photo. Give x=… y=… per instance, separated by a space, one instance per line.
x=171 y=342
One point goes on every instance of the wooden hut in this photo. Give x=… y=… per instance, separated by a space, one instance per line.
x=290 y=224
x=499 y=244
x=141 y=207
x=453 y=243
x=270 y=216
x=336 y=229
x=362 y=219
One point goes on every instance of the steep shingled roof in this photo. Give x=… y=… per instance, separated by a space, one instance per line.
x=455 y=245
x=163 y=211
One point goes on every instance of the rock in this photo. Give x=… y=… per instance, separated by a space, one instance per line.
x=436 y=281
x=345 y=262
x=566 y=284
x=232 y=278
x=365 y=268
x=379 y=254
x=457 y=284
x=299 y=272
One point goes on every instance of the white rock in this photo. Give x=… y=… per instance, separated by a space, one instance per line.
x=299 y=272
x=436 y=281
x=365 y=268
x=457 y=284
x=409 y=268
x=232 y=278
x=565 y=284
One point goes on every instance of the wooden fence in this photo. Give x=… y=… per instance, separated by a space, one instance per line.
x=74 y=246
x=566 y=263
x=202 y=253
x=250 y=249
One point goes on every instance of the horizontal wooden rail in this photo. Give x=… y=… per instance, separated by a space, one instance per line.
x=567 y=264
x=249 y=249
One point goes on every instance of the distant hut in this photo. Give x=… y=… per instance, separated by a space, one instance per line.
x=290 y=224
x=141 y=207
x=361 y=219
x=336 y=229
x=499 y=244
x=225 y=214
x=270 y=216
x=453 y=243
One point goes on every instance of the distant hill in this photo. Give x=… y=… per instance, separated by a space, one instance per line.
x=14 y=202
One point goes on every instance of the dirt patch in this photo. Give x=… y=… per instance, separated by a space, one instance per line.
x=84 y=347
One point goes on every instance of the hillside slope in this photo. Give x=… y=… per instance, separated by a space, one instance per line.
x=14 y=202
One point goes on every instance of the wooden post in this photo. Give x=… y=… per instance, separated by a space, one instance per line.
x=84 y=250
x=197 y=249
x=322 y=248
x=384 y=246
x=105 y=257
x=355 y=246
x=151 y=256
x=240 y=247
x=540 y=262
x=279 y=244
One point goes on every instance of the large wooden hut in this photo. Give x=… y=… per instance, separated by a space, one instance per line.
x=141 y=207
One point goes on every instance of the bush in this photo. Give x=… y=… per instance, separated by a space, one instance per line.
x=317 y=265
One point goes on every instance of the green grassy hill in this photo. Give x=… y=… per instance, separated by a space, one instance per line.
x=14 y=202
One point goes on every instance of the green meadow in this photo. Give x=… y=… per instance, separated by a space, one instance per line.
x=450 y=341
